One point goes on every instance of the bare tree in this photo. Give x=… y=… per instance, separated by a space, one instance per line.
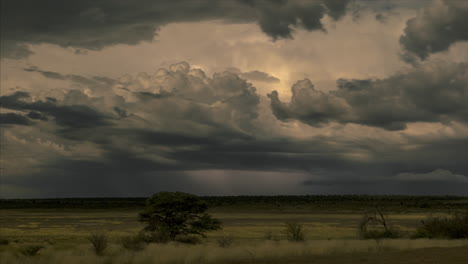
x=377 y=219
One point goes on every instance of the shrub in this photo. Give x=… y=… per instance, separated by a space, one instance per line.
x=374 y=225
x=294 y=231
x=31 y=250
x=391 y=232
x=225 y=241
x=133 y=243
x=454 y=227
x=4 y=241
x=99 y=241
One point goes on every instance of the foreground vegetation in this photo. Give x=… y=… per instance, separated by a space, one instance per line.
x=262 y=232
x=317 y=251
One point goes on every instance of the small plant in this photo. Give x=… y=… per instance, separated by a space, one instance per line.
x=454 y=227
x=225 y=241
x=133 y=243
x=294 y=231
x=4 y=241
x=99 y=241
x=31 y=250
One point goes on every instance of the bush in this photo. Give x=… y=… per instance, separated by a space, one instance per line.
x=294 y=231
x=392 y=232
x=4 y=241
x=99 y=241
x=225 y=241
x=133 y=243
x=31 y=250
x=374 y=225
x=454 y=227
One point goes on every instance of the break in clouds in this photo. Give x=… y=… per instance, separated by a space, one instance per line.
x=183 y=127
x=95 y=25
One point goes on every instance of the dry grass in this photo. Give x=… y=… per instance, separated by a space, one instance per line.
x=330 y=236
x=259 y=252
x=73 y=225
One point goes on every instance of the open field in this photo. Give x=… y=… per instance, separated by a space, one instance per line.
x=257 y=233
x=60 y=224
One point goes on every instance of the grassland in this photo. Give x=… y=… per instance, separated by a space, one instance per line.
x=257 y=233
x=63 y=225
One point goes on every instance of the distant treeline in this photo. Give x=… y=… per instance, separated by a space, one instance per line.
x=279 y=201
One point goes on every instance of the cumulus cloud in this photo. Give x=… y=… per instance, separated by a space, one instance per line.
x=165 y=130
x=434 y=92
x=259 y=76
x=95 y=25
x=139 y=124
x=435 y=29
x=254 y=75
x=177 y=93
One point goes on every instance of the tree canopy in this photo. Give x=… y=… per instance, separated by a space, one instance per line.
x=177 y=213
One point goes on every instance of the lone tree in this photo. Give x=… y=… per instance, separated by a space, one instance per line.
x=379 y=222
x=177 y=213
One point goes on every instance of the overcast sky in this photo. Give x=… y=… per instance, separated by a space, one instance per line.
x=236 y=97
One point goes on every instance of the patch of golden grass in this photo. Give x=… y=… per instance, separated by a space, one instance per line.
x=261 y=252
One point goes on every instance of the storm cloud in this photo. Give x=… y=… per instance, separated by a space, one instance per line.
x=233 y=97
x=70 y=116
x=13 y=119
x=176 y=127
x=435 y=29
x=433 y=92
x=95 y=25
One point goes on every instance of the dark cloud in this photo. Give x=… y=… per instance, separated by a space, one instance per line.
x=438 y=175
x=37 y=115
x=435 y=167
x=435 y=29
x=389 y=187
x=100 y=178
x=434 y=177
x=69 y=116
x=94 y=25
x=91 y=82
x=121 y=171
x=431 y=93
x=165 y=127
x=13 y=119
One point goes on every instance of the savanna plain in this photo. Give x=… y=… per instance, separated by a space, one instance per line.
x=254 y=230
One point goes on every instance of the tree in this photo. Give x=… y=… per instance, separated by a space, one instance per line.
x=177 y=213
x=376 y=218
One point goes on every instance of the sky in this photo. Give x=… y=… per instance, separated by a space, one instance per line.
x=239 y=97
